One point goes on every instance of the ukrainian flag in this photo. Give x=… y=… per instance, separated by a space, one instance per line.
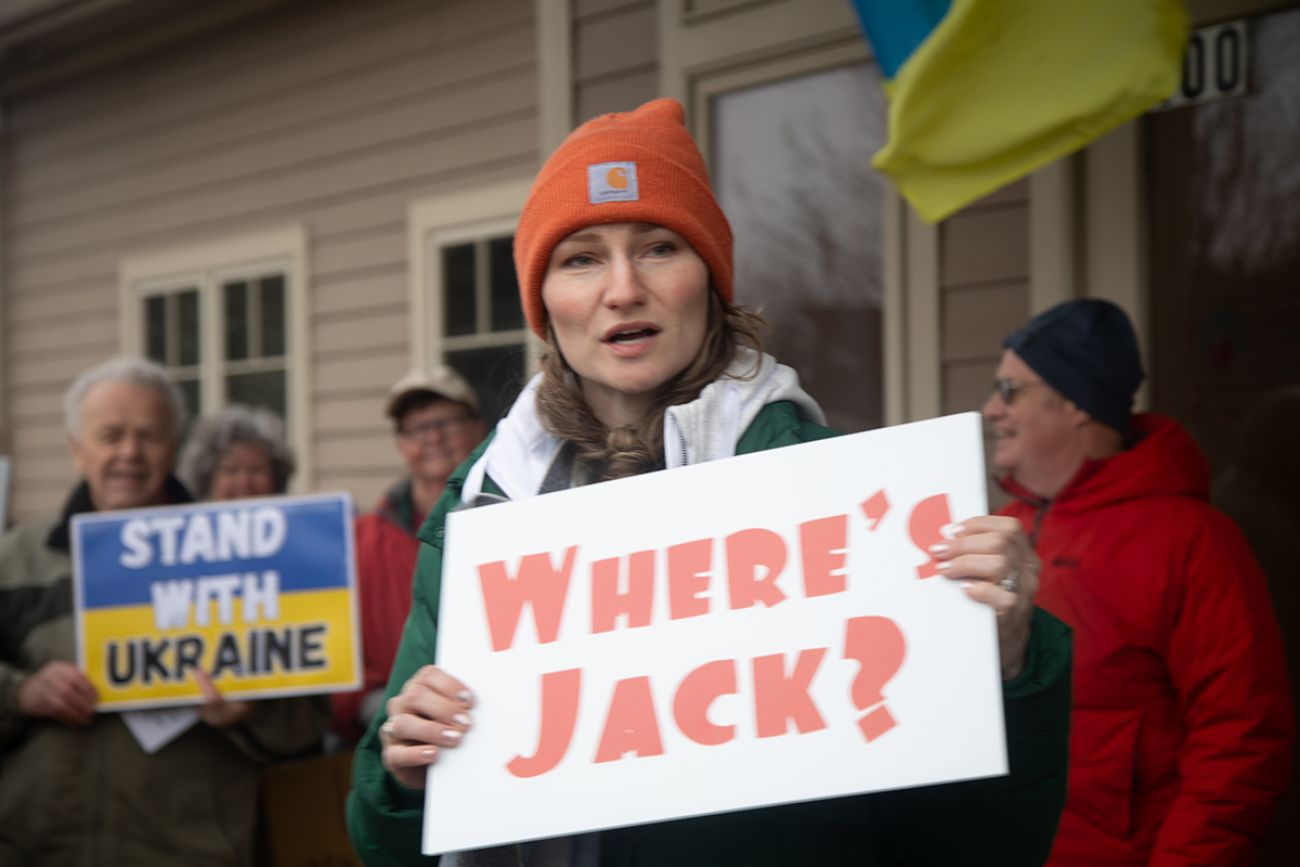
x=983 y=92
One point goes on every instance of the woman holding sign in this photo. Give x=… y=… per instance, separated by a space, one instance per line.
x=625 y=270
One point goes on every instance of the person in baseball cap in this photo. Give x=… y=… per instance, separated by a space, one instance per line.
x=436 y=423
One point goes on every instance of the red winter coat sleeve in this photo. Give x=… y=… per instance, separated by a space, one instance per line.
x=1225 y=660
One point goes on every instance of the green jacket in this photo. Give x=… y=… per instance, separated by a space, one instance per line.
x=1004 y=821
x=91 y=797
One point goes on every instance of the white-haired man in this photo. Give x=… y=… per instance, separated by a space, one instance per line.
x=77 y=787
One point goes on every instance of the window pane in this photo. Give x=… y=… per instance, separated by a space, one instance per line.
x=794 y=177
x=272 y=309
x=193 y=396
x=258 y=389
x=497 y=374
x=155 y=328
x=236 y=303
x=188 y=321
x=458 y=289
x=507 y=314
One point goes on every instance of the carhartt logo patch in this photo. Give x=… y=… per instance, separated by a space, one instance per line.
x=612 y=182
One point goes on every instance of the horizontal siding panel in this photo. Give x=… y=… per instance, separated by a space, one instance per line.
x=408 y=86
x=361 y=333
x=90 y=216
x=976 y=319
x=985 y=246
x=144 y=97
x=45 y=310
x=620 y=93
x=587 y=8
x=36 y=405
x=967 y=384
x=353 y=296
x=57 y=371
x=1012 y=193
x=239 y=209
x=85 y=333
x=609 y=45
x=388 y=248
x=376 y=373
x=50 y=472
x=353 y=414
x=365 y=451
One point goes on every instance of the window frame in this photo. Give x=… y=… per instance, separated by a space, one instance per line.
x=207 y=267
x=473 y=215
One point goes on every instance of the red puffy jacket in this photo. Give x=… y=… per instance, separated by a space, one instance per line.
x=1181 y=732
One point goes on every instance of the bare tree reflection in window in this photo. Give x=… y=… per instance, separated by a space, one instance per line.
x=792 y=168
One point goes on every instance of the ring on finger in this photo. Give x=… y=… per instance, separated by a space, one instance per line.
x=1011 y=583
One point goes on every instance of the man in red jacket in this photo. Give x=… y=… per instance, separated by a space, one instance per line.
x=435 y=415
x=1181 y=733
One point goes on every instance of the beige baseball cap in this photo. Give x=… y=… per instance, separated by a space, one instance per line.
x=441 y=380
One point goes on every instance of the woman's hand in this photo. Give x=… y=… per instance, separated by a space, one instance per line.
x=992 y=558
x=430 y=713
x=59 y=691
x=215 y=710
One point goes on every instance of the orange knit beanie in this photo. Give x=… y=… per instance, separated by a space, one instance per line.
x=634 y=167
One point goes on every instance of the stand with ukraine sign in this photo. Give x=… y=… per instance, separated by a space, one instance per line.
x=260 y=594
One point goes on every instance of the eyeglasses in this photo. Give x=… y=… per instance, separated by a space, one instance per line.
x=441 y=426
x=1007 y=388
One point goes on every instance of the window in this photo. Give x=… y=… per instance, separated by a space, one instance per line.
x=483 y=329
x=464 y=293
x=227 y=322
x=790 y=167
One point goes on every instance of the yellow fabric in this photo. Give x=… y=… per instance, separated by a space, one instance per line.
x=1003 y=87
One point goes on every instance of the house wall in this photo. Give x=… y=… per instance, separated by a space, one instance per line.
x=983 y=291
x=615 y=55
x=331 y=115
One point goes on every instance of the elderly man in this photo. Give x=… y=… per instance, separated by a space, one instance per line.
x=436 y=422
x=1181 y=729
x=77 y=787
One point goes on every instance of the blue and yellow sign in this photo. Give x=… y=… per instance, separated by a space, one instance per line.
x=260 y=594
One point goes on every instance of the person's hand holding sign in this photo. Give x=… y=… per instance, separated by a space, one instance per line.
x=993 y=559
x=431 y=711
x=58 y=690
x=215 y=710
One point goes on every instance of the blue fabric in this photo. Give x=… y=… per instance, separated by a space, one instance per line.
x=896 y=27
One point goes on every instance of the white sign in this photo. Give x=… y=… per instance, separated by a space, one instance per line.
x=1214 y=67
x=760 y=630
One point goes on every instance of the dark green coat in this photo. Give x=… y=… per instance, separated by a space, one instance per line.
x=1007 y=821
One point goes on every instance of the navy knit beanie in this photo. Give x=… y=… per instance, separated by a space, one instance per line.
x=1087 y=351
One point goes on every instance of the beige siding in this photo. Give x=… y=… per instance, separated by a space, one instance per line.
x=984 y=291
x=615 y=55
x=332 y=115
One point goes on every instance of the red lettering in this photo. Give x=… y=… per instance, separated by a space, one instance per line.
x=823 y=543
x=538 y=583
x=631 y=726
x=928 y=518
x=688 y=578
x=778 y=698
x=560 y=690
x=696 y=694
x=607 y=599
x=749 y=553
